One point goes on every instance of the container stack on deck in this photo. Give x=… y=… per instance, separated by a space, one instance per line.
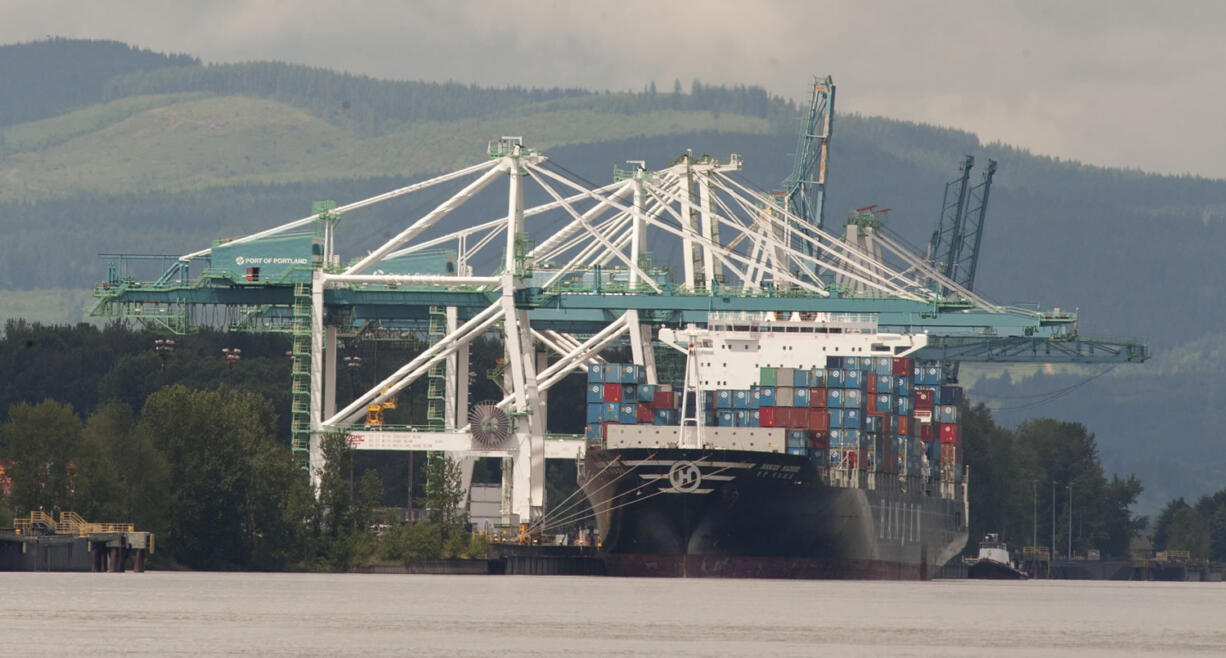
x=877 y=414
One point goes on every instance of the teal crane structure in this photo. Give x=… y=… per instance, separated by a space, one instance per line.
x=558 y=297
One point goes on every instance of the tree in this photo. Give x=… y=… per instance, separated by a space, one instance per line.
x=445 y=494
x=229 y=477
x=41 y=441
x=1189 y=532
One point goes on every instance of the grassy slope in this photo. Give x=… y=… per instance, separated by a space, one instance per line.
x=181 y=142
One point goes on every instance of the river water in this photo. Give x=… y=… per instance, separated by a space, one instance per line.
x=207 y=614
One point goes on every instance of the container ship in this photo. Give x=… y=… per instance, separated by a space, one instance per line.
x=796 y=446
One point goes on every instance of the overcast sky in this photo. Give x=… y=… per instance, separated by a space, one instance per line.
x=1118 y=83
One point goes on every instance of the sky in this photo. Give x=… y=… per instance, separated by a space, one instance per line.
x=1122 y=83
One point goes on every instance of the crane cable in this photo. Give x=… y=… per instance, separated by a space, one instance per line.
x=1049 y=396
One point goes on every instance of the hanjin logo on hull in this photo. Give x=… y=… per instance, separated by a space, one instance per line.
x=686 y=477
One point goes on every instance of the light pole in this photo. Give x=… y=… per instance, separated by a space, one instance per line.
x=163 y=347
x=1034 y=531
x=352 y=363
x=1053 y=519
x=232 y=355
x=1070 y=520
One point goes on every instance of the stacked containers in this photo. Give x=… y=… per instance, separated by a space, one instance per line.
x=870 y=413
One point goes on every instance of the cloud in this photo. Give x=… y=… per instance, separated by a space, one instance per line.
x=1124 y=83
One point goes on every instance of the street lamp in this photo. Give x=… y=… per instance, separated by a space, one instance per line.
x=1070 y=520
x=163 y=347
x=232 y=355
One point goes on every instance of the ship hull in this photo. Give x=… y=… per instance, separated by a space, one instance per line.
x=740 y=513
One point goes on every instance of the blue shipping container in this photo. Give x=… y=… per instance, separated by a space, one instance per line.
x=800 y=378
x=595 y=393
x=766 y=396
x=595 y=412
x=723 y=399
x=596 y=373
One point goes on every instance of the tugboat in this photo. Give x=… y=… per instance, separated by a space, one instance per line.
x=993 y=562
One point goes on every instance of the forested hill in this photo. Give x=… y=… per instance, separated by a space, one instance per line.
x=108 y=148
x=47 y=78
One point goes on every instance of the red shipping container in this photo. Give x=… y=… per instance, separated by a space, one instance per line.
x=819 y=419
x=786 y=417
x=925 y=432
x=870 y=383
x=766 y=416
x=662 y=400
x=819 y=440
x=904 y=366
x=924 y=398
x=950 y=433
x=612 y=392
x=817 y=397
x=643 y=413
x=904 y=425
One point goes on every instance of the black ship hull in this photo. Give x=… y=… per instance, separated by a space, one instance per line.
x=737 y=513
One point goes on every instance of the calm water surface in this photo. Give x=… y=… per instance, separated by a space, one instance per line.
x=205 y=614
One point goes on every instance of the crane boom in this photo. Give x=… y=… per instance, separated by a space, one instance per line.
x=804 y=190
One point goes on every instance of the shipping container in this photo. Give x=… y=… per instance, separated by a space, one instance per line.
x=801 y=378
x=612 y=392
x=853 y=398
x=853 y=379
x=925 y=398
x=835 y=362
x=646 y=393
x=662 y=400
x=872 y=423
x=883 y=365
x=800 y=397
x=740 y=399
x=766 y=416
x=628 y=414
x=817 y=378
x=834 y=378
x=596 y=373
x=595 y=393
x=819 y=439
x=724 y=418
x=612 y=412
x=834 y=416
x=818 y=457
x=946 y=413
x=594 y=431
x=902 y=386
x=852 y=418
x=950 y=432
x=902 y=406
x=883 y=403
x=904 y=425
x=903 y=366
x=766 y=396
x=783 y=376
x=766 y=377
x=784 y=396
x=630 y=393
x=925 y=432
x=950 y=395
x=595 y=412
x=797 y=438
x=643 y=413
x=870 y=383
x=664 y=416
x=740 y=418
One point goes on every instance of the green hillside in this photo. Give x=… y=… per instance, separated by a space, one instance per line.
x=172 y=143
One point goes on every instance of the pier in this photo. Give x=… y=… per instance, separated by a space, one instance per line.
x=39 y=542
